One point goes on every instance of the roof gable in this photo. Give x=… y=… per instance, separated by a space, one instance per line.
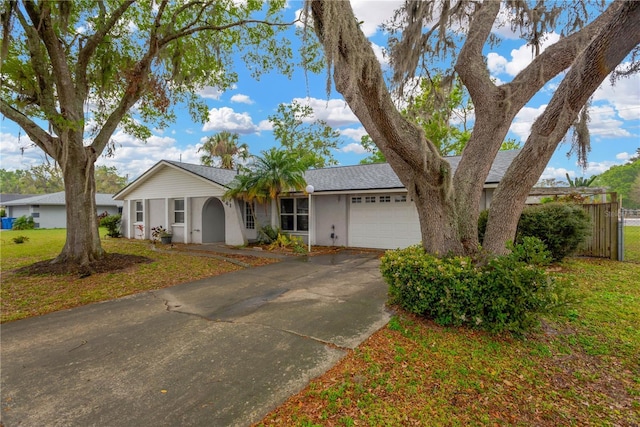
x=216 y=176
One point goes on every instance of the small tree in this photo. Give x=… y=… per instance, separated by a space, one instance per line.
x=275 y=173
x=311 y=140
x=225 y=146
x=60 y=59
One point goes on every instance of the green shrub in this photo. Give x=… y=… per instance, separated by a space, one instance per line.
x=24 y=223
x=561 y=226
x=112 y=224
x=268 y=234
x=3 y=213
x=20 y=239
x=507 y=293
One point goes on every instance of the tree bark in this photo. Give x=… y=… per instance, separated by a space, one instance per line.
x=416 y=161
x=83 y=239
x=497 y=106
x=606 y=51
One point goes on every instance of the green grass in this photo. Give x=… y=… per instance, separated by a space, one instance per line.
x=632 y=244
x=25 y=296
x=42 y=244
x=581 y=368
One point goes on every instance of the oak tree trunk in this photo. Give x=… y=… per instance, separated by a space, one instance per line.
x=83 y=240
x=592 y=66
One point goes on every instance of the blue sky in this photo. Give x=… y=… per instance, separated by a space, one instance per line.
x=614 y=126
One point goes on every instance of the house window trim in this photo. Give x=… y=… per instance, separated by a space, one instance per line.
x=295 y=214
x=249 y=218
x=139 y=211
x=178 y=211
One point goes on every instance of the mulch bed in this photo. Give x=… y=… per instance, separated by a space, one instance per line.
x=108 y=263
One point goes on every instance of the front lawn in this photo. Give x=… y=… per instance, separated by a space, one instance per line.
x=632 y=243
x=580 y=369
x=26 y=296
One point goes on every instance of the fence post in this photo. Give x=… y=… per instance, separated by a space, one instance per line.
x=621 y=236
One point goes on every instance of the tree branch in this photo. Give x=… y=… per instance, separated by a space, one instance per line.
x=41 y=138
x=90 y=47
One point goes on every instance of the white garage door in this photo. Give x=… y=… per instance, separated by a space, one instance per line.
x=383 y=222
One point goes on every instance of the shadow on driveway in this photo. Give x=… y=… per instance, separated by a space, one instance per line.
x=221 y=351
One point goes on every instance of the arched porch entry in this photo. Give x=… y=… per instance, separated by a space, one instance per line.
x=213 y=221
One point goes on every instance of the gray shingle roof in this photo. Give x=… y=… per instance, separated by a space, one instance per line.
x=217 y=175
x=379 y=176
x=376 y=176
x=58 y=199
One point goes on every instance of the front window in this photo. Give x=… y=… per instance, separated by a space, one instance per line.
x=249 y=220
x=139 y=212
x=178 y=211
x=294 y=214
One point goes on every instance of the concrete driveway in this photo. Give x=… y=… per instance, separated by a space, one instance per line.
x=222 y=351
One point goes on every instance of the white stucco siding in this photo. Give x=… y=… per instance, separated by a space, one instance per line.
x=172 y=183
x=330 y=213
x=18 y=211
x=50 y=216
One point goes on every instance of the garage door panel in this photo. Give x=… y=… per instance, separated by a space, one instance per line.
x=383 y=225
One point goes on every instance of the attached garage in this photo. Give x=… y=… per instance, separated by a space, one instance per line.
x=362 y=206
x=382 y=221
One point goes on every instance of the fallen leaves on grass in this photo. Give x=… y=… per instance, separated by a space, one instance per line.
x=130 y=267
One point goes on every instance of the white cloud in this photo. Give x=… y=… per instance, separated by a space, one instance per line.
x=604 y=124
x=521 y=125
x=378 y=50
x=496 y=63
x=335 y=112
x=353 y=148
x=18 y=153
x=210 y=92
x=557 y=173
x=596 y=168
x=624 y=96
x=355 y=134
x=265 y=125
x=520 y=58
x=623 y=156
x=242 y=99
x=226 y=118
x=372 y=14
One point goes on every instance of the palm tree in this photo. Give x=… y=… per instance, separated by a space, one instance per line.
x=277 y=172
x=580 y=181
x=225 y=146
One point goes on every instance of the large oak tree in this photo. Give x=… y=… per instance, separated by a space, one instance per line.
x=448 y=203
x=74 y=71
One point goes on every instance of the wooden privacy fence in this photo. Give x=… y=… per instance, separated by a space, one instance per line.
x=603 y=241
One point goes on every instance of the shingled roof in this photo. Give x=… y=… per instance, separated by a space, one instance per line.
x=217 y=175
x=102 y=199
x=375 y=176
x=380 y=176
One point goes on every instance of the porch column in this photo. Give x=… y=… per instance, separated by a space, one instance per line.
x=187 y=222
x=166 y=214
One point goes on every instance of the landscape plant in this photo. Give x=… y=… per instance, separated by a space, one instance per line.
x=24 y=223
x=112 y=224
x=458 y=37
x=72 y=72
x=562 y=227
x=20 y=239
x=500 y=294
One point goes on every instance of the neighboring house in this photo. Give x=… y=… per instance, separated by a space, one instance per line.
x=49 y=210
x=357 y=206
